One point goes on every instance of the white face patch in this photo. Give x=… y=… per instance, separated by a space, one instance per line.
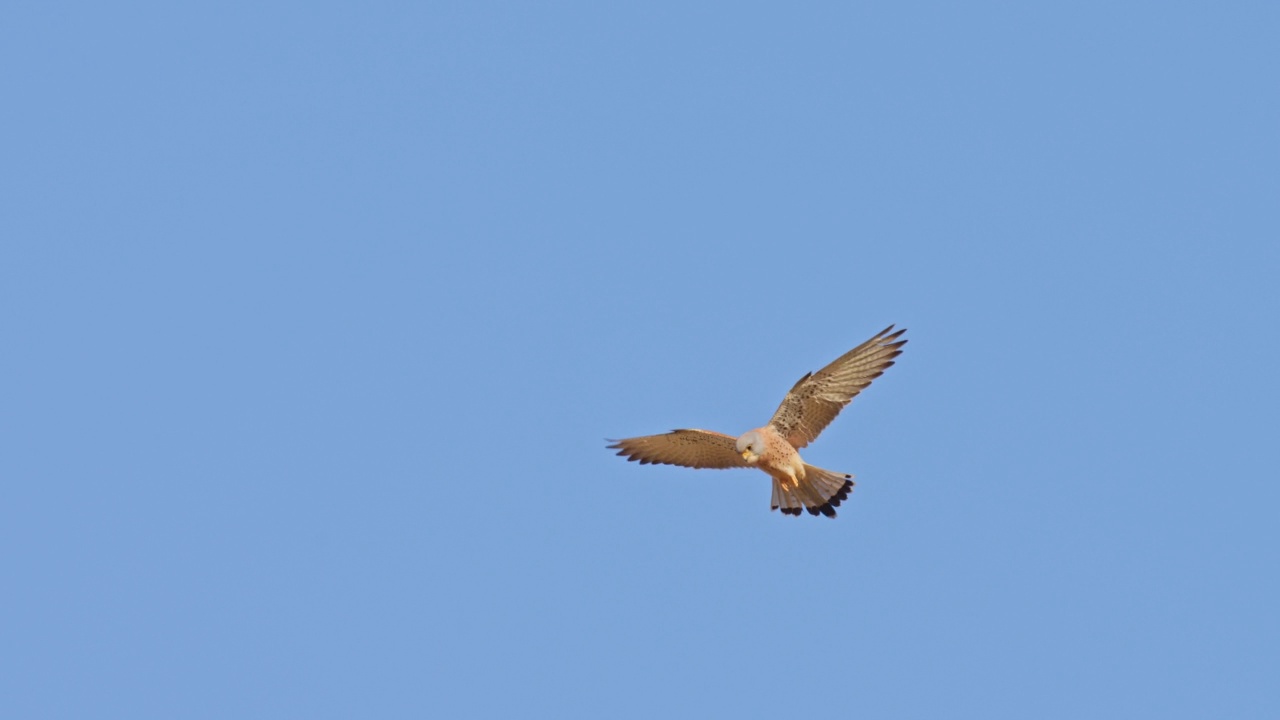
x=751 y=441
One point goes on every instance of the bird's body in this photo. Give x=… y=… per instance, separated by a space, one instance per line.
x=779 y=459
x=811 y=405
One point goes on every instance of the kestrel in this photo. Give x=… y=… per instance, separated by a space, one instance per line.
x=811 y=405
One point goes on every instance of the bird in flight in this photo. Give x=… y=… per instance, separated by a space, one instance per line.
x=807 y=409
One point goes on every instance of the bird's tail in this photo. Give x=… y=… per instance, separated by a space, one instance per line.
x=821 y=491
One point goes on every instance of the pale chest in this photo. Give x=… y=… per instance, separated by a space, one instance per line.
x=780 y=458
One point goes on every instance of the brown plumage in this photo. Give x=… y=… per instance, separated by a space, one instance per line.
x=807 y=409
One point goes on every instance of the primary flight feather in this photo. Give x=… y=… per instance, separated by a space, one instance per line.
x=805 y=412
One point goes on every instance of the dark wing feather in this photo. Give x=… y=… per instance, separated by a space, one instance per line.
x=818 y=397
x=690 y=448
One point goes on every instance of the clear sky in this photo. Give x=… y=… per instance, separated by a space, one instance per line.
x=317 y=316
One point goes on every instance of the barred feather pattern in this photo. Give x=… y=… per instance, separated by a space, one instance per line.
x=820 y=493
x=817 y=398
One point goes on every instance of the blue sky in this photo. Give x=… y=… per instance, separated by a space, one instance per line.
x=318 y=315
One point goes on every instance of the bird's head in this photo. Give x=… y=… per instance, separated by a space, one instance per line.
x=751 y=445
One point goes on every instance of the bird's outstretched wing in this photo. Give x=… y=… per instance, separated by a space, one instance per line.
x=690 y=448
x=818 y=397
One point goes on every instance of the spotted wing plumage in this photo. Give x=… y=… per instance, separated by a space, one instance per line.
x=689 y=448
x=818 y=397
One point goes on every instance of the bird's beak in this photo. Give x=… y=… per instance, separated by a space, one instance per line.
x=746 y=455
